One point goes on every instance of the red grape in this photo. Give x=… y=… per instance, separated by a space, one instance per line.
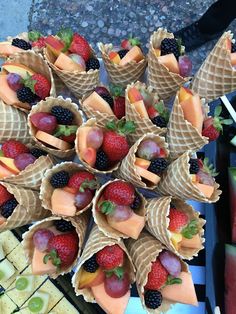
x=41 y=238
x=171 y=263
x=24 y=160
x=82 y=199
x=14 y=81
x=115 y=287
x=148 y=149
x=121 y=213
x=185 y=66
x=44 y=121
x=101 y=90
x=95 y=138
x=205 y=178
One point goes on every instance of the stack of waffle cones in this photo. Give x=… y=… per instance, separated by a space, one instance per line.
x=29 y=207
x=177 y=181
x=80 y=224
x=143 y=125
x=100 y=218
x=96 y=242
x=181 y=134
x=45 y=106
x=158 y=210
x=80 y=83
x=47 y=189
x=127 y=169
x=121 y=75
x=216 y=75
x=164 y=82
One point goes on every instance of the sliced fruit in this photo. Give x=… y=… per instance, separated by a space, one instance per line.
x=233 y=58
x=143 y=163
x=91 y=279
x=82 y=138
x=17 y=68
x=134 y=95
x=194 y=243
x=38 y=302
x=54 y=45
x=157 y=52
x=63 y=203
x=52 y=140
x=25 y=283
x=70 y=190
x=148 y=175
x=7 y=270
x=170 y=62
x=184 y=93
x=228 y=44
x=176 y=239
x=7 y=49
x=9 y=164
x=207 y=190
x=114 y=56
x=194 y=178
x=140 y=108
x=39 y=267
x=89 y=156
x=134 y=54
x=97 y=103
x=64 y=62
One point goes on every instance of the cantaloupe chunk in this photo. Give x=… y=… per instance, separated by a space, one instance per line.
x=176 y=239
x=194 y=243
x=170 y=62
x=143 y=163
x=52 y=140
x=38 y=266
x=114 y=56
x=131 y=227
x=192 y=109
x=148 y=175
x=97 y=103
x=181 y=293
x=64 y=62
x=4 y=172
x=207 y=190
x=9 y=164
x=89 y=155
x=108 y=304
x=140 y=108
x=233 y=58
x=134 y=95
x=63 y=203
x=82 y=138
x=2 y=220
x=134 y=54
x=184 y=93
x=7 y=49
x=228 y=44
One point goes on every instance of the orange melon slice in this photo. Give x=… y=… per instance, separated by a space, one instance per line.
x=170 y=62
x=148 y=175
x=9 y=164
x=233 y=58
x=134 y=95
x=38 y=266
x=194 y=243
x=7 y=49
x=134 y=54
x=140 y=108
x=64 y=62
x=63 y=203
x=143 y=163
x=52 y=140
x=97 y=103
x=82 y=138
x=207 y=190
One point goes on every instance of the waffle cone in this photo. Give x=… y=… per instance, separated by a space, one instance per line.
x=158 y=210
x=101 y=220
x=80 y=224
x=45 y=106
x=121 y=75
x=143 y=252
x=29 y=208
x=181 y=134
x=216 y=75
x=164 y=82
x=127 y=169
x=177 y=182
x=96 y=242
x=143 y=125
x=47 y=189
x=79 y=83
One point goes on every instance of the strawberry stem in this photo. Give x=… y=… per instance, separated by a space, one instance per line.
x=118 y=271
x=107 y=207
x=122 y=127
x=66 y=35
x=190 y=230
x=66 y=130
x=173 y=280
x=88 y=184
x=34 y=35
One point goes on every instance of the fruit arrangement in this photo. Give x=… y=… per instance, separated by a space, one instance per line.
x=7 y=204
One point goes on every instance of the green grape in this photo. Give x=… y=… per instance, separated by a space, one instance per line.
x=1 y=274
x=35 y=304
x=21 y=283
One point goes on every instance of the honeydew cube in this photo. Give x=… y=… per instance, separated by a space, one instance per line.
x=65 y=307
x=17 y=258
x=55 y=294
x=29 y=282
x=6 y=305
x=7 y=270
x=8 y=241
x=44 y=297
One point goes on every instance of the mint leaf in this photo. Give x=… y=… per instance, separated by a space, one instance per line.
x=34 y=35
x=217 y=111
x=190 y=230
x=173 y=280
x=66 y=35
x=107 y=207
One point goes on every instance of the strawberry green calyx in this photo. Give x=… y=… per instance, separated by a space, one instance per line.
x=190 y=230
x=55 y=259
x=34 y=35
x=118 y=271
x=122 y=127
x=66 y=130
x=107 y=207
x=218 y=120
x=66 y=35
x=134 y=41
x=88 y=184
x=173 y=280
x=209 y=168
x=116 y=91
x=29 y=82
x=162 y=110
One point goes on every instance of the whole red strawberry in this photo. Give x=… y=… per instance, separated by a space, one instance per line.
x=13 y=148
x=41 y=85
x=80 y=46
x=120 y=193
x=157 y=276
x=63 y=249
x=110 y=257
x=82 y=179
x=178 y=220
x=119 y=107
x=4 y=195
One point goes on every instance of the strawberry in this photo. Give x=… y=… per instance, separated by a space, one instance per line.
x=119 y=107
x=178 y=220
x=63 y=249
x=110 y=257
x=38 y=84
x=4 y=195
x=152 y=112
x=82 y=180
x=129 y=43
x=13 y=148
x=120 y=193
x=157 y=277
x=69 y=138
x=80 y=46
x=40 y=43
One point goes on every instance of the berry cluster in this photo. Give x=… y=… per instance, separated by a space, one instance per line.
x=7 y=202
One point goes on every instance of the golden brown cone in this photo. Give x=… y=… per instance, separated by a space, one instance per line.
x=47 y=189
x=216 y=75
x=96 y=242
x=157 y=223
x=177 y=181
x=164 y=82
x=121 y=75
x=45 y=106
x=28 y=210
x=80 y=223
x=143 y=125
x=100 y=218
x=127 y=170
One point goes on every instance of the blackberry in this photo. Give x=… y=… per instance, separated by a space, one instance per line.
x=36 y=152
x=60 y=179
x=92 y=64
x=122 y=53
x=63 y=115
x=152 y=298
x=91 y=264
x=194 y=166
x=233 y=48
x=102 y=161
x=63 y=225
x=137 y=202
x=8 y=207
x=158 y=165
x=170 y=45
x=159 y=121
x=25 y=94
x=21 y=43
x=108 y=99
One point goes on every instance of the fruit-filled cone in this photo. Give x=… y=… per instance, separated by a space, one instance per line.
x=186 y=122
x=177 y=225
x=101 y=256
x=146 y=161
x=58 y=239
x=119 y=210
x=19 y=207
x=180 y=182
x=217 y=74
x=164 y=70
x=162 y=278
x=53 y=123
x=68 y=189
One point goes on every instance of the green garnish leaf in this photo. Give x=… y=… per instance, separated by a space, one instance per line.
x=118 y=271
x=65 y=130
x=66 y=35
x=107 y=207
x=173 y=280
x=162 y=110
x=217 y=111
x=116 y=90
x=111 y=125
x=209 y=168
x=122 y=127
x=134 y=41
x=88 y=184
x=190 y=230
x=34 y=35
x=53 y=256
